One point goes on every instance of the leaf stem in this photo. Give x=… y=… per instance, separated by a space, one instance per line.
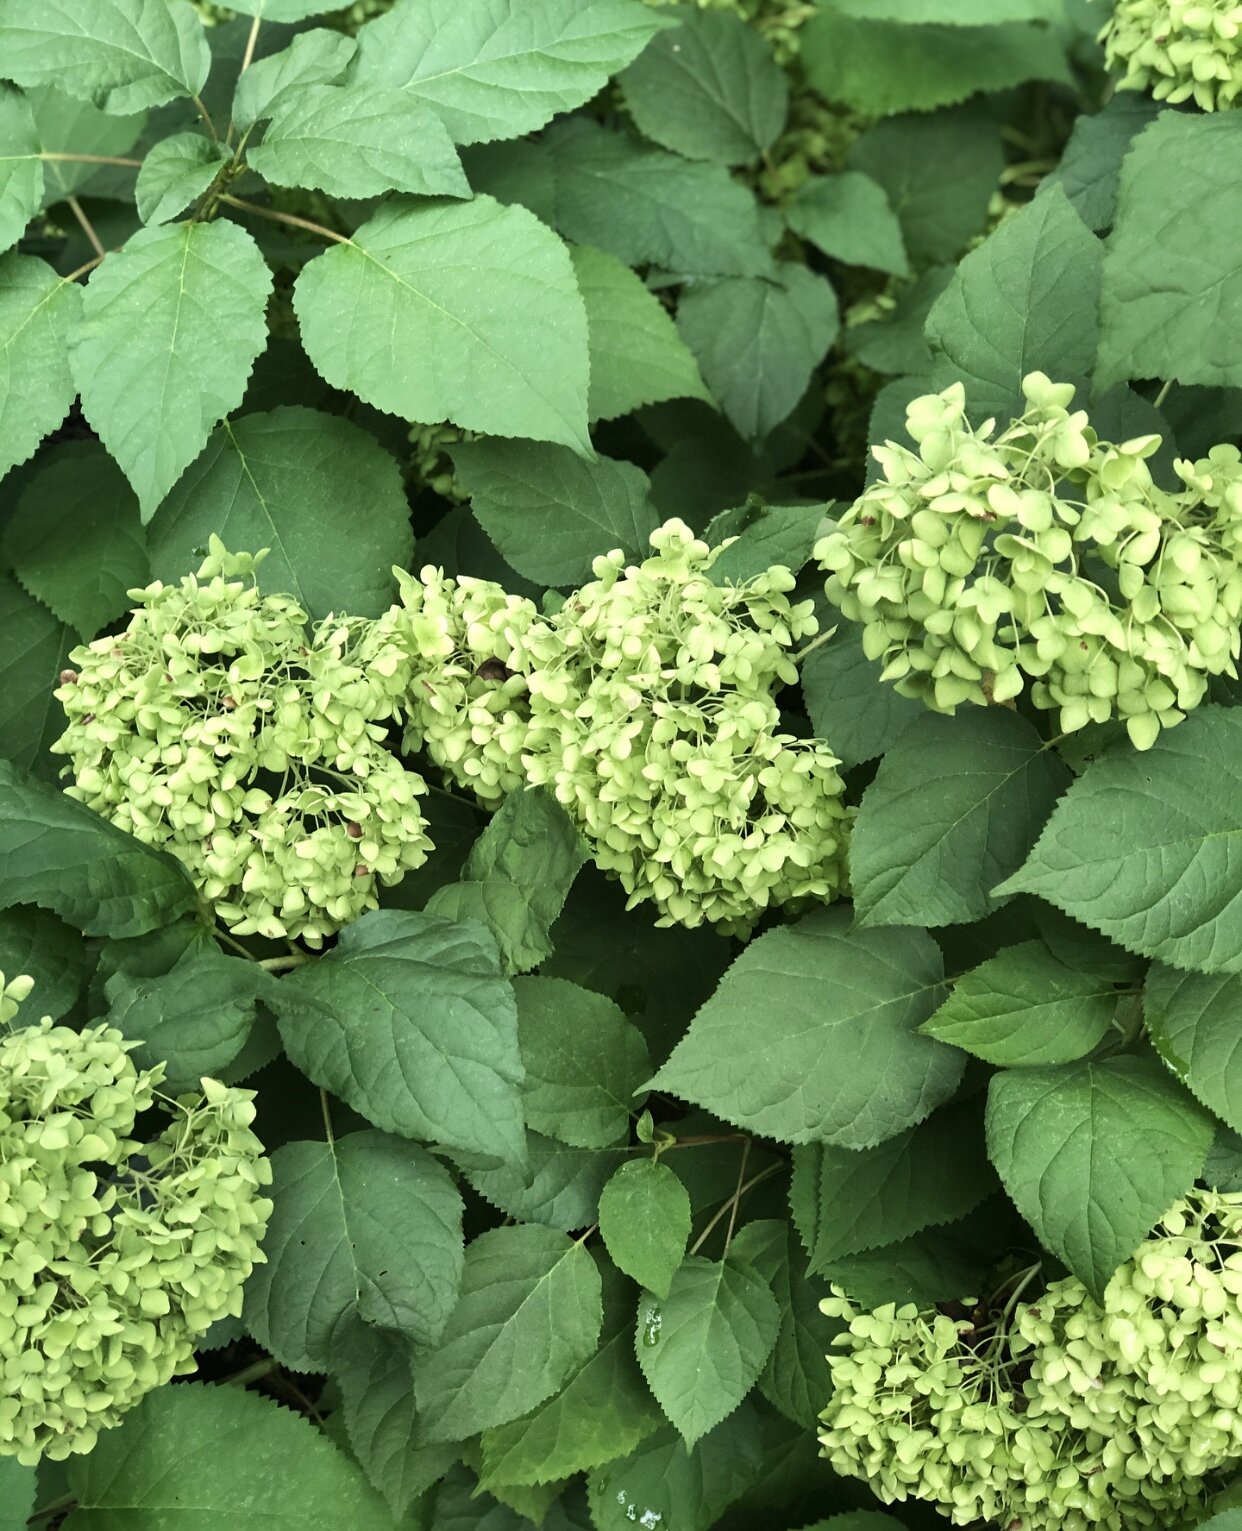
x=248 y=56
x=733 y=1202
x=82 y=270
x=227 y=940
x=89 y=159
x=289 y=218
x=1164 y=393
x=252 y=1373
x=327 y=1117
x=206 y=116
x=65 y=1502
x=88 y=228
x=815 y=643
x=283 y=964
x=741 y=1171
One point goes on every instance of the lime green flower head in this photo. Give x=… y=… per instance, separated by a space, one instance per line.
x=1179 y=50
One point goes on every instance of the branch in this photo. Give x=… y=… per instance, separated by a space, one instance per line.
x=289 y=218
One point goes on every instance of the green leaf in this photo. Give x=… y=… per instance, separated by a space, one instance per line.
x=758 y=341
x=373 y=1370
x=1142 y=847
x=584 y=1062
x=176 y=172
x=954 y=808
x=283 y=10
x=123 y=55
x=939 y=172
x=195 y=1018
x=602 y=1412
x=849 y=706
x=849 y=218
x=170 y=329
x=38 y=943
x=644 y=1219
x=702 y=1347
x=1026 y=300
x=894 y=343
x=56 y=853
x=195 y=1458
x=409 y=1021
x=637 y=356
x=856 y=1200
x=529 y=1315
x=34 y=649
x=500 y=68
x=1171 y=282
x=517 y=876
x=467 y=312
x=1194 y=1021
x=365 y=1230
x=646 y=206
x=21 y=169
x=877 y=67
x=1090 y=165
x=315 y=489
x=18 y=1487
x=662 y=1482
x=709 y=89
x=318 y=57
x=1093 y=1154
x=65 y=125
x=1024 y=1008
x=358 y=141
x=796 y=1379
x=37 y=313
x=838 y=1058
x=554 y=1184
x=551 y=512
x=74 y=539
x=764 y=535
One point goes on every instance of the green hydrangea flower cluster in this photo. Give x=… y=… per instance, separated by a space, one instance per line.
x=115 y=1254
x=430 y=463
x=217 y=727
x=1180 y=50
x=1057 y=1413
x=465 y=697
x=1041 y=552
x=653 y=720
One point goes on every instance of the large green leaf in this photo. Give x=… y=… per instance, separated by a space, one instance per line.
x=409 y=1020
x=201 y=1458
x=1090 y=165
x=702 y=1347
x=554 y=1184
x=848 y=216
x=644 y=1220
x=74 y=539
x=21 y=169
x=170 y=329
x=708 y=89
x=1026 y=1007
x=316 y=490
x=645 y=206
x=637 y=356
x=662 y=1482
x=1171 y=283
x=466 y=312
x=18 y=1487
x=850 y=707
x=1093 y=1154
x=374 y=1372
x=195 y=1019
x=551 y=512
x=365 y=1230
x=34 y=649
x=517 y=876
x=1142 y=846
x=584 y=1062
x=939 y=172
x=762 y=535
x=758 y=341
x=176 y=172
x=1026 y=300
x=1195 y=1020
x=358 y=141
x=318 y=57
x=838 y=1058
x=602 y=1412
x=855 y=1200
x=39 y=943
x=529 y=1315
x=123 y=55
x=877 y=67
x=37 y=313
x=500 y=68
x=954 y=808
x=65 y=125
x=56 y=853
x=796 y=1379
